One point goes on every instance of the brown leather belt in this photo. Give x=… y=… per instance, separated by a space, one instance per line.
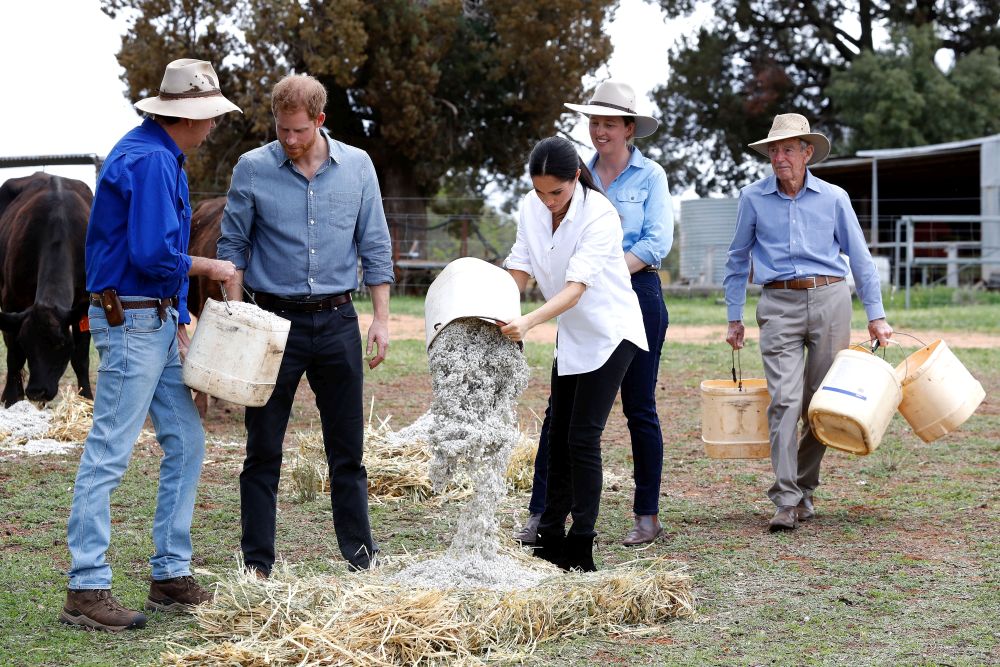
x=95 y=300
x=274 y=303
x=812 y=282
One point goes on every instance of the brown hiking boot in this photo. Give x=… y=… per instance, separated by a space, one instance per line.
x=177 y=594
x=99 y=610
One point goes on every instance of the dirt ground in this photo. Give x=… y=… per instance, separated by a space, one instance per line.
x=408 y=327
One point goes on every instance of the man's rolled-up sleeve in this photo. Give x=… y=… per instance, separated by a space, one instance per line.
x=238 y=217
x=372 y=232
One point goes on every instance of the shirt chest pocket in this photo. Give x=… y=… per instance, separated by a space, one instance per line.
x=630 y=199
x=184 y=213
x=344 y=209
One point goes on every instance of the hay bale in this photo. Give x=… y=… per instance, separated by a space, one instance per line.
x=323 y=620
x=72 y=416
x=397 y=464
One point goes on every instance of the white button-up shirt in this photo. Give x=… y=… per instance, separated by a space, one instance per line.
x=586 y=248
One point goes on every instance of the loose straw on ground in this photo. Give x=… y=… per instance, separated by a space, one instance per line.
x=364 y=620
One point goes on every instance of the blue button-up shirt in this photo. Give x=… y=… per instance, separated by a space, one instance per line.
x=790 y=238
x=140 y=223
x=642 y=199
x=299 y=238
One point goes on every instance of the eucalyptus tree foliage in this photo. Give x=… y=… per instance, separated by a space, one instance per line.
x=435 y=88
x=756 y=58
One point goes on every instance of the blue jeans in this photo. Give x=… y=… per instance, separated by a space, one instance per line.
x=638 y=404
x=139 y=373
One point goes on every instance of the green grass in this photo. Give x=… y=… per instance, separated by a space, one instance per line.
x=900 y=566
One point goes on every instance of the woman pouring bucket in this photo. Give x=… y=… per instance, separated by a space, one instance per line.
x=637 y=189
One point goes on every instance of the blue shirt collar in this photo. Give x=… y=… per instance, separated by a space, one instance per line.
x=635 y=159
x=156 y=130
x=770 y=185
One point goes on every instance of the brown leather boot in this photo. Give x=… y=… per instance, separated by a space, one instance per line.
x=177 y=594
x=645 y=530
x=99 y=610
x=785 y=518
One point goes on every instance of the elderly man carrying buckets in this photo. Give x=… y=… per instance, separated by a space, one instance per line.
x=793 y=227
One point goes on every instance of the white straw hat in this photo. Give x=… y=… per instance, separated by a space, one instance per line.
x=190 y=89
x=791 y=126
x=614 y=98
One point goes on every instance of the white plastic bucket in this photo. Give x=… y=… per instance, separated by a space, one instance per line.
x=236 y=356
x=734 y=421
x=855 y=403
x=469 y=287
x=939 y=393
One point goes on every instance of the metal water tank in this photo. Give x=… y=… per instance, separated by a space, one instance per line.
x=706 y=229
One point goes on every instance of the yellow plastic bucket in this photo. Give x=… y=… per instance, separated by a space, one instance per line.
x=855 y=402
x=939 y=393
x=734 y=420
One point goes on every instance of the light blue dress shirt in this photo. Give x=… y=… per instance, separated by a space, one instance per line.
x=788 y=238
x=299 y=238
x=642 y=199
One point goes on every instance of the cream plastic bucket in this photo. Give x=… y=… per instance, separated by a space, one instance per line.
x=236 y=356
x=469 y=287
x=939 y=393
x=734 y=421
x=855 y=403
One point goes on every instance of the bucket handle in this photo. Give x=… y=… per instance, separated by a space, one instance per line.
x=737 y=362
x=225 y=297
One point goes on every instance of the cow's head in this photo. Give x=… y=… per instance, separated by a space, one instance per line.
x=43 y=333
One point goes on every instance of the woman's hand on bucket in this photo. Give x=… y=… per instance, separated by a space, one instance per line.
x=516 y=329
x=880 y=330
x=735 y=333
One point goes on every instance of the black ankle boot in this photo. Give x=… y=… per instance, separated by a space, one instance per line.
x=550 y=546
x=579 y=553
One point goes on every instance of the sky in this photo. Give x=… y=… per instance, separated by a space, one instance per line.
x=64 y=93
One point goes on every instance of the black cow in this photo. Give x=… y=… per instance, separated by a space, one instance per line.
x=43 y=294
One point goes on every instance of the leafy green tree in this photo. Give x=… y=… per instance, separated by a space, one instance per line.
x=456 y=88
x=899 y=97
x=757 y=58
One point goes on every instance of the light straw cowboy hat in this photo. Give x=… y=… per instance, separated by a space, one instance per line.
x=794 y=126
x=190 y=89
x=614 y=98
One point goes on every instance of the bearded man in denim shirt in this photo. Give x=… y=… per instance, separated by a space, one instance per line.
x=137 y=274
x=300 y=212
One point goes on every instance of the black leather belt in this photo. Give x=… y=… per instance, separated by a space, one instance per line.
x=95 y=300
x=274 y=303
x=649 y=269
x=812 y=282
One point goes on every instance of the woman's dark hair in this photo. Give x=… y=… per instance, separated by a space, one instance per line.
x=557 y=157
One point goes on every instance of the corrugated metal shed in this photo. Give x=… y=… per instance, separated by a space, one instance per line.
x=706 y=229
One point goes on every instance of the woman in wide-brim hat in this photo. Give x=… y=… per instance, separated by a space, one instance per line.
x=637 y=187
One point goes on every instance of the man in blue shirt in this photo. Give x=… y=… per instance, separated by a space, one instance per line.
x=300 y=212
x=793 y=228
x=137 y=274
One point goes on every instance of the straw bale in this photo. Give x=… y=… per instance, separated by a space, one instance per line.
x=364 y=620
x=72 y=416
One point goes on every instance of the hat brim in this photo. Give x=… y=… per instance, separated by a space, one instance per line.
x=196 y=108
x=644 y=125
x=819 y=142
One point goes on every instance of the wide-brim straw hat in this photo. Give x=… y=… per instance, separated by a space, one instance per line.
x=614 y=98
x=794 y=126
x=190 y=89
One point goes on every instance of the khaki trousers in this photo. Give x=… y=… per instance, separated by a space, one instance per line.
x=801 y=332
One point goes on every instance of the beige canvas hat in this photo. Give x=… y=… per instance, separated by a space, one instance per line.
x=614 y=98
x=190 y=89
x=791 y=126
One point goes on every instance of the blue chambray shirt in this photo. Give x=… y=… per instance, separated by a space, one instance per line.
x=795 y=238
x=140 y=222
x=642 y=199
x=298 y=238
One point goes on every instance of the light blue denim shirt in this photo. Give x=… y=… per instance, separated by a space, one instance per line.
x=641 y=197
x=300 y=238
x=788 y=238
